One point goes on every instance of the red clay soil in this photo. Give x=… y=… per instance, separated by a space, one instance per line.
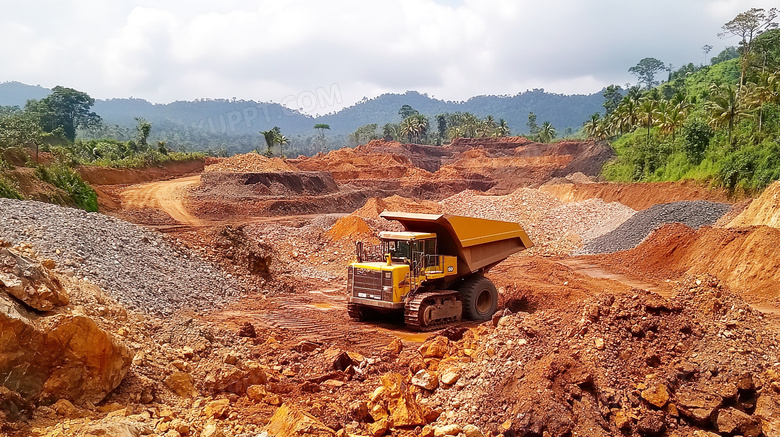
x=531 y=283
x=764 y=210
x=746 y=259
x=111 y=176
x=638 y=196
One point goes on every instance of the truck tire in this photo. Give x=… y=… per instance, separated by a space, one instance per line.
x=480 y=298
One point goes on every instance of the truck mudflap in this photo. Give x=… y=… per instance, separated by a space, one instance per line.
x=431 y=310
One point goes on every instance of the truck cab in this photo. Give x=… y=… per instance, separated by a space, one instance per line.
x=406 y=261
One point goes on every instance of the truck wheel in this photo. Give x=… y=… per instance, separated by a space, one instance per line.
x=480 y=298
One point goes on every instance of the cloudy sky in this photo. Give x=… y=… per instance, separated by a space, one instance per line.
x=344 y=50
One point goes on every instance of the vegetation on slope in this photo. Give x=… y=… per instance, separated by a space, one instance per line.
x=717 y=123
x=48 y=126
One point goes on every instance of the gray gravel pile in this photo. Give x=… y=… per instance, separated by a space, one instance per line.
x=633 y=231
x=135 y=266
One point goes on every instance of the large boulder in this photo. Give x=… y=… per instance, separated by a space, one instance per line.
x=29 y=281
x=289 y=421
x=55 y=355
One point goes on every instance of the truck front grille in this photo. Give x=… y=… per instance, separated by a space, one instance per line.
x=365 y=283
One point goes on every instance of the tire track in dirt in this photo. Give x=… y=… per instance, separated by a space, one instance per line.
x=168 y=196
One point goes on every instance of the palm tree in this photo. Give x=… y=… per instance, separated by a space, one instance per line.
x=415 y=126
x=282 y=140
x=503 y=128
x=547 y=132
x=594 y=127
x=270 y=139
x=648 y=115
x=725 y=108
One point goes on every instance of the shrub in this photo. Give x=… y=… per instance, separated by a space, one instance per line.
x=68 y=180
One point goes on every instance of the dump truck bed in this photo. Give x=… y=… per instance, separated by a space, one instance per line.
x=478 y=243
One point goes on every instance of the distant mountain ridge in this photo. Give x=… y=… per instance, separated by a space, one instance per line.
x=238 y=117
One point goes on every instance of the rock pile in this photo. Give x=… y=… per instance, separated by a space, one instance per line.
x=636 y=363
x=633 y=231
x=52 y=356
x=555 y=227
x=137 y=267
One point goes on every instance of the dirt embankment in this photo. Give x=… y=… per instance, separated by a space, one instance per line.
x=113 y=176
x=746 y=259
x=638 y=196
x=765 y=210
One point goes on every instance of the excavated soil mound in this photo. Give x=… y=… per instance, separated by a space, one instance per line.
x=347 y=164
x=638 y=196
x=746 y=259
x=765 y=210
x=350 y=227
x=376 y=206
x=365 y=222
x=249 y=163
x=507 y=144
x=618 y=364
x=631 y=232
x=267 y=184
x=528 y=163
x=428 y=158
x=137 y=267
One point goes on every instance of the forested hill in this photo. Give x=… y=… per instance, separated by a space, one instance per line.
x=222 y=116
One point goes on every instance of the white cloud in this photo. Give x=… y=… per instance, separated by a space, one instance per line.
x=266 y=50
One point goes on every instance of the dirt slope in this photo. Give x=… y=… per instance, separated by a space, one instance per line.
x=765 y=210
x=638 y=196
x=746 y=259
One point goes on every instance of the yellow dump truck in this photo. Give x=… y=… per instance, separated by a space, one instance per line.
x=434 y=270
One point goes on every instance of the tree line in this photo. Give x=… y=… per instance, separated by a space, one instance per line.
x=719 y=122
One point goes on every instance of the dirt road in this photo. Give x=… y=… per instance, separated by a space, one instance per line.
x=168 y=196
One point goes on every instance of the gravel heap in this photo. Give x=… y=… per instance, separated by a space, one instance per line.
x=135 y=266
x=633 y=231
x=555 y=227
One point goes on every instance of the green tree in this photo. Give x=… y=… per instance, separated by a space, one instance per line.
x=547 y=132
x=64 y=108
x=725 y=108
x=594 y=128
x=282 y=140
x=144 y=128
x=364 y=134
x=706 y=48
x=271 y=136
x=415 y=127
x=321 y=127
x=391 y=131
x=19 y=129
x=503 y=128
x=747 y=26
x=697 y=136
x=533 y=128
x=407 y=111
x=725 y=55
x=646 y=70
x=162 y=148
x=648 y=115
x=612 y=98
x=441 y=124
